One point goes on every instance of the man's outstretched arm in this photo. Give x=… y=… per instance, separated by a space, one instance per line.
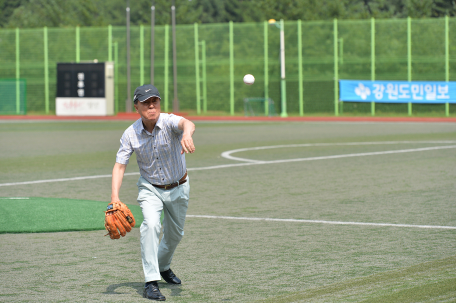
x=117 y=177
x=187 y=141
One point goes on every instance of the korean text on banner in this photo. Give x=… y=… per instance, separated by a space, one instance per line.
x=436 y=92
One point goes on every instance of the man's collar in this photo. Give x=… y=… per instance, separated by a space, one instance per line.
x=140 y=126
x=159 y=122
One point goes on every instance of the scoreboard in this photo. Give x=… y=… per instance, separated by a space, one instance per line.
x=85 y=89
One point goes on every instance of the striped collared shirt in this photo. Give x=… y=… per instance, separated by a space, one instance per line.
x=158 y=153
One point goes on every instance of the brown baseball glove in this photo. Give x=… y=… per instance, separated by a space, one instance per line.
x=118 y=220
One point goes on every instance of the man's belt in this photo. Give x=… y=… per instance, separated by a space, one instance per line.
x=172 y=185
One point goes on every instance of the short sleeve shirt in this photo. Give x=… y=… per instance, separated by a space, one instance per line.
x=158 y=153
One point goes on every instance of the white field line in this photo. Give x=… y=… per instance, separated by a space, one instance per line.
x=227 y=154
x=14 y=198
x=255 y=162
x=324 y=222
x=62 y=179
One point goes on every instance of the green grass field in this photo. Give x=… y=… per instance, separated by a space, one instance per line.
x=328 y=212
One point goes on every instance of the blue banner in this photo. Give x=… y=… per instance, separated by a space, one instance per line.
x=397 y=91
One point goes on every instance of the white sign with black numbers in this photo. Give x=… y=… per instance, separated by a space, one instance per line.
x=80 y=106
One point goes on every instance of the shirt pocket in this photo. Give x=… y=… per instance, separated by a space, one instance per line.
x=165 y=145
x=143 y=149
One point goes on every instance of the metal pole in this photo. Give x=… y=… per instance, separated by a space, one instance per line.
x=128 y=101
x=203 y=59
x=46 y=71
x=152 y=43
x=18 y=91
x=116 y=77
x=231 y=70
x=197 y=68
x=409 y=57
x=373 y=60
x=266 y=71
x=447 y=60
x=109 y=42
x=141 y=54
x=336 y=71
x=341 y=50
x=340 y=60
x=78 y=50
x=283 y=82
x=166 y=84
x=301 y=93
x=175 y=100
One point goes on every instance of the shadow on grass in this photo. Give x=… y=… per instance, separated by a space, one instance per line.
x=175 y=289
x=139 y=287
x=111 y=289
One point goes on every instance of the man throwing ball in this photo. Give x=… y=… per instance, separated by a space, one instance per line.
x=160 y=142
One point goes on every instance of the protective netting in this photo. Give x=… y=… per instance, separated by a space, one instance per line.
x=13 y=97
x=354 y=55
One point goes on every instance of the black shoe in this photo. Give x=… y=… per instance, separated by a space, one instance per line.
x=170 y=277
x=151 y=291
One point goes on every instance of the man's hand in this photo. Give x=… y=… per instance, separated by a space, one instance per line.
x=187 y=141
x=187 y=144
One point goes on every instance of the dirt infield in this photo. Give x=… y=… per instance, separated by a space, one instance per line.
x=134 y=116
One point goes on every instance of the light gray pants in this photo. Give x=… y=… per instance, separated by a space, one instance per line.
x=174 y=203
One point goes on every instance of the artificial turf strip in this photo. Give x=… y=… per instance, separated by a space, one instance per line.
x=32 y=215
x=424 y=282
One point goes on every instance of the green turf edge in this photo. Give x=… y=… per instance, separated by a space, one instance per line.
x=425 y=282
x=36 y=215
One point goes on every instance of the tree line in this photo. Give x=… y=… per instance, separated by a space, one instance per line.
x=70 y=13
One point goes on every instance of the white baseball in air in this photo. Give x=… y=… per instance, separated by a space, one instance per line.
x=249 y=79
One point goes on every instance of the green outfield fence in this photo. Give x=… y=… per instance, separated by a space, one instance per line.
x=13 y=96
x=213 y=58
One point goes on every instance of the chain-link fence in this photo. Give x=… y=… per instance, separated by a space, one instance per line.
x=398 y=49
x=13 y=95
